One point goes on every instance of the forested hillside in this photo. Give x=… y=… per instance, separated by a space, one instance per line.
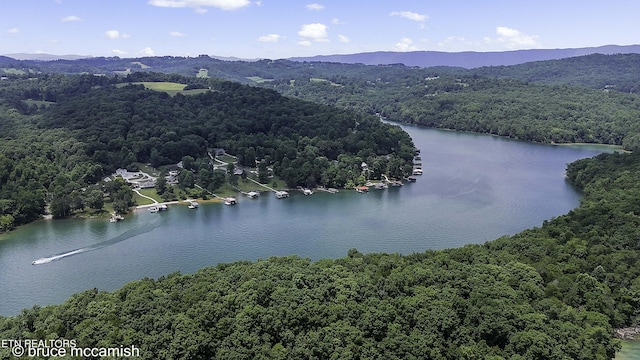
x=553 y=292
x=597 y=71
x=64 y=133
x=583 y=99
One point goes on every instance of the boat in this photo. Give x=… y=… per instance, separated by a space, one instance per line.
x=115 y=218
x=162 y=207
x=230 y=201
x=412 y=179
x=193 y=204
x=417 y=171
x=282 y=194
x=153 y=209
x=362 y=189
x=380 y=186
x=307 y=191
x=253 y=194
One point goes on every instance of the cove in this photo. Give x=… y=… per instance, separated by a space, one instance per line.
x=475 y=188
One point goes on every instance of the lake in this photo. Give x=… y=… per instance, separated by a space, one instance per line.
x=475 y=188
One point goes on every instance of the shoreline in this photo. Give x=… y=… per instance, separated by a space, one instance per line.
x=628 y=333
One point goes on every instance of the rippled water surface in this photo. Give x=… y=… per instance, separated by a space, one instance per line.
x=474 y=188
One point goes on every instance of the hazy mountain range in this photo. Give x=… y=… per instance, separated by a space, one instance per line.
x=467 y=59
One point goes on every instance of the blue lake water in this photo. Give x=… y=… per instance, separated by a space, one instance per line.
x=475 y=188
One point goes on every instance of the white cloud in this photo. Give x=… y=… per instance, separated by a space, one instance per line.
x=304 y=43
x=147 y=52
x=337 y=21
x=199 y=4
x=118 y=52
x=343 y=39
x=177 y=34
x=270 y=38
x=513 y=39
x=405 y=44
x=13 y=31
x=315 y=7
x=410 y=15
x=70 y=18
x=316 y=32
x=115 y=34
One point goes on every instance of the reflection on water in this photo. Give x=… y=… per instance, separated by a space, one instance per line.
x=474 y=188
x=630 y=350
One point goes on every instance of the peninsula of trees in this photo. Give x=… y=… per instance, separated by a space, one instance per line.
x=557 y=291
x=590 y=99
x=65 y=133
x=554 y=292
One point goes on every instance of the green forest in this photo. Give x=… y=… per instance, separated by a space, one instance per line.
x=590 y=99
x=65 y=133
x=556 y=291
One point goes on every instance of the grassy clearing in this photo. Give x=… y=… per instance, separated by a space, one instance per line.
x=139 y=200
x=143 y=66
x=170 y=88
x=13 y=71
x=226 y=158
x=39 y=103
x=193 y=91
x=258 y=79
x=151 y=192
x=324 y=80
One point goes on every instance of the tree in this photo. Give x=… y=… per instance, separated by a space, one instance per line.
x=95 y=199
x=161 y=185
x=7 y=222
x=186 y=179
x=187 y=162
x=263 y=172
x=217 y=180
x=60 y=206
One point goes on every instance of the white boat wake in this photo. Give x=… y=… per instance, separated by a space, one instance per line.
x=124 y=236
x=49 y=259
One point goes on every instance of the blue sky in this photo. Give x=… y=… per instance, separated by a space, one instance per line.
x=285 y=28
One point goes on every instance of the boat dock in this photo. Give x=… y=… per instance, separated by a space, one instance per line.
x=280 y=194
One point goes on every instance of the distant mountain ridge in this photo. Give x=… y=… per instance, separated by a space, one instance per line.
x=468 y=59
x=46 y=57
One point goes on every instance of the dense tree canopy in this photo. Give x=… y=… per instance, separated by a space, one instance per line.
x=553 y=292
x=122 y=126
x=63 y=133
x=569 y=100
